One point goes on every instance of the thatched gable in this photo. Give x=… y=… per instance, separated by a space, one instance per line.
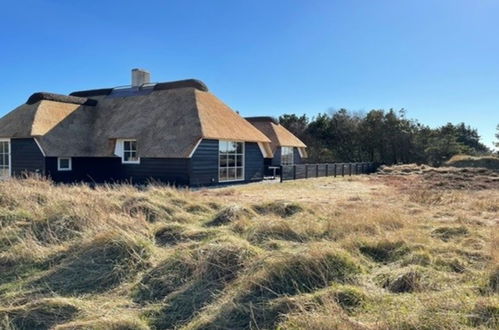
x=278 y=134
x=167 y=121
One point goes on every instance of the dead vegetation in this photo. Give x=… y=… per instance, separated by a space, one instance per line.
x=413 y=248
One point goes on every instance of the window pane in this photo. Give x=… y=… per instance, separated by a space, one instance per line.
x=223 y=160
x=133 y=145
x=239 y=173
x=222 y=146
x=126 y=145
x=231 y=174
x=231 y=147
x=223 y=174
x=239 y=160
x=232 y=160
x=239 y=147
x=126 y=156
x=64 y=163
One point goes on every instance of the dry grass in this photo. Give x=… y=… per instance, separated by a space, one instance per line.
x=395 y=251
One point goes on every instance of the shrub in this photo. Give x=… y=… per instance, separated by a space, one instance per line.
x=98 y=265
x=230 y=214
x=448 y=233
x=385 y=251
x=279 y=208
x=41 y=314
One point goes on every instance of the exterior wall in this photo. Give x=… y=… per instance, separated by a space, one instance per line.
x=204 y=163
x=170 y=170
x=85 y=169
x=110 y=169
x=26 y=157
x=297 y=157
x=253 y=162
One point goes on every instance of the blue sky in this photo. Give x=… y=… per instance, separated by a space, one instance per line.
x=437 y=59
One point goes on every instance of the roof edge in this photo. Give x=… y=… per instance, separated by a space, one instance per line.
x=194 y=83
x=43 y=96
x=262 y=119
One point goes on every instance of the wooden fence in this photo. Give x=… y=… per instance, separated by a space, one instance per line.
x=305 y=171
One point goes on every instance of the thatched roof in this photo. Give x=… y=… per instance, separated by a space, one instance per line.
x=278 y=134
x=167 y=121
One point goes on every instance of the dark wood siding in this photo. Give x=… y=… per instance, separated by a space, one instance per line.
x=110 y=169
x=26 y=157
x=253 y=162
x=297 y=157
x=86 y=169
x=169 y=170
x=204 y=164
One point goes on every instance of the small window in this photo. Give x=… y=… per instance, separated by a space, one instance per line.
x=64 y=164
x=130 y=152
x=287 y=156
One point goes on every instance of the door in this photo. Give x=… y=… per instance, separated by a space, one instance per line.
x=4 y=159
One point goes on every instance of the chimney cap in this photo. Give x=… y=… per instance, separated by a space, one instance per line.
x=140 y=77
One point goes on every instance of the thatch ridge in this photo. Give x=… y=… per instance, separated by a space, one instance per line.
x=44 y=96
x=262 y=118
x=92 y=92
x=194 y=83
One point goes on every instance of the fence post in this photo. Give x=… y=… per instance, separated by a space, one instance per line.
x=306 y=171
x=294 y=172
x=349 y=169
x=342 y=169
x=327 y=170
x=334 y=170
x=282 y=174
x=317 y=170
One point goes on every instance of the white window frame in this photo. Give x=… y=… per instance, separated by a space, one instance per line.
x=120 y=151
x=292 y=156
x=243 y=166
x=64 y=169
x=9 y=157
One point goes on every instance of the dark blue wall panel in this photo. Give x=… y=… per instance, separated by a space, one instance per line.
x=204 y=164
x=26 y=157
x=253 y=162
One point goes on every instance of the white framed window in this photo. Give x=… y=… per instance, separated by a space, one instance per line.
x=5 y=158
x=230 y=161
x=287 y=156
x=64 y=164
x=127 y=150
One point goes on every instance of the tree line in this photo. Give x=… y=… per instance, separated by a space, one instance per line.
x=386 y=137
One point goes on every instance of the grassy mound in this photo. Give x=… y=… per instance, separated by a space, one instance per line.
x=206 y=274
x=173 y=234
x=279 y=208
x=106 y=324
x=349 y=297
x=447 y=233
x=410 y=279
x=41 y=314
x=141 y=206
x=229 y=215
x=279 y=229
x=489 y=162
x=486 y=314
x=384 y=251
x=98 y=265
x=58 y=229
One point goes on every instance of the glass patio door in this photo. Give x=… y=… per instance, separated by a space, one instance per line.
x=4 y=159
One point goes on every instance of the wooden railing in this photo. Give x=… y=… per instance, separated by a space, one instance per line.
x=305 y=171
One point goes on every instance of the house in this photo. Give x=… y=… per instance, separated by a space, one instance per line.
x=286 y=148
x=176 y=132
